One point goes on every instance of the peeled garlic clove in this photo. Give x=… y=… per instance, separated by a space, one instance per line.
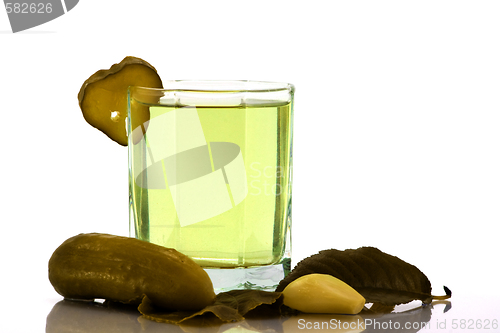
x=322 y=293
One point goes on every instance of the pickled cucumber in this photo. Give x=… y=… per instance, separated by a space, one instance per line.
x=103 y=96
x=90 y=266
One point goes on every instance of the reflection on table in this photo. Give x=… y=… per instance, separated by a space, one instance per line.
x=94 y=317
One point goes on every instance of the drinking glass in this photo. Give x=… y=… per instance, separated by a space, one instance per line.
x=210 y=175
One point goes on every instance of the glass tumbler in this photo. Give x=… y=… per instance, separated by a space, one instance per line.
x=210 y=175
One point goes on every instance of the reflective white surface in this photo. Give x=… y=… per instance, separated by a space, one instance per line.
x=462 y=314
x=396 y=123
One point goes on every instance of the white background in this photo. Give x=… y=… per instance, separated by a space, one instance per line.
x=396 y=127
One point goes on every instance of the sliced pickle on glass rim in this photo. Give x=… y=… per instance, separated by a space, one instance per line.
x=103 y=97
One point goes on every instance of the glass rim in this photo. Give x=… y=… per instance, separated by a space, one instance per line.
x=221 y=86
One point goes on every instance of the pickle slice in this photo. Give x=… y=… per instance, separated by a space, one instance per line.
x=103 y=96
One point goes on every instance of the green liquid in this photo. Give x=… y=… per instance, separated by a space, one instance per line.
x=222 y=193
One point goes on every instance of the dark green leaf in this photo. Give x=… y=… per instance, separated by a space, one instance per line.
x=378 y=276
x=228 y=306
x=379 y=308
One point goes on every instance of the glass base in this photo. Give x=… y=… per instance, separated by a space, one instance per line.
x=256 y=278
